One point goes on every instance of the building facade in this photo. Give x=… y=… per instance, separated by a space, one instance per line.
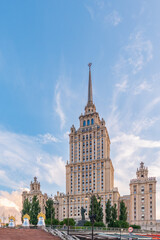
x=143 y=199
x=89 y=167
x=35 y=191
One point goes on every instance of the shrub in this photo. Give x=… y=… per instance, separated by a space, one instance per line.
x=71 y=222
x=87 y=224
x=135 y=226
x=99 y=224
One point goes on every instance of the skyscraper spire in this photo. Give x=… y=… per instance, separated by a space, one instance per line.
x=90 y=97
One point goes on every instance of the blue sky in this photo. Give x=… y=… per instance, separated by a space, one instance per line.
x=45 y=47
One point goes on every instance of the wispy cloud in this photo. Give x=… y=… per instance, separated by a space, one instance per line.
x=122 y=87
x=144 y=123
x=19 y=159
x=113 y=18
x=144 y=86
x=47 y=138
x=139 y=51
x=58 y=107
x=98 y=10
x=135 y=55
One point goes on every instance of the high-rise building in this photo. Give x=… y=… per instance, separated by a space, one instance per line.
x=143 y=199
x=89 y=167
x=35 y=191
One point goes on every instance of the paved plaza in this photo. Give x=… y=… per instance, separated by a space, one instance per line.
x=25 y=234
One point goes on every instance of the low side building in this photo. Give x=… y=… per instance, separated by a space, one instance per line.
x=143 y=199
x=35 y=191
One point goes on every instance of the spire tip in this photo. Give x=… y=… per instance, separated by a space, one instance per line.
x=89 y=65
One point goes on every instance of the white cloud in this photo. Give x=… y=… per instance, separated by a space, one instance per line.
x=53 y=172
x=90 y=11
x=113 y=18
x=139 y=51
x=135 y=141
x=10 y=204
x=47 y=138
x=134 y=56
x=129 y=150
x=66 y=135
x=122 y=87
x=144 y=86
x=144 y=123
x=18 y=159
x=58 y=107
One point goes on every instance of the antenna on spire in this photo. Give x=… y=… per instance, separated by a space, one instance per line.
x=89 y=65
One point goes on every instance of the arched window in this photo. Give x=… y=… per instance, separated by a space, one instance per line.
x=84 y=123
x=88 y=122
x=92 y=121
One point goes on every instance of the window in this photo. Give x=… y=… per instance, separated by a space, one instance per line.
x=142 y=189
x=150 y=187
x=84 y=123
x=88 y=122
x=92 y=121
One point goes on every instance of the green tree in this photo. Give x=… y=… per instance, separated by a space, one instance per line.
x=114 y=213
x=71 y=222
x=97 y=210
x=26 y=207
x=35 y=210
x=50 y=212
x=123 y=212
x=108 y=211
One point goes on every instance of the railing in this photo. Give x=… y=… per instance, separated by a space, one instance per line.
x=73 y=229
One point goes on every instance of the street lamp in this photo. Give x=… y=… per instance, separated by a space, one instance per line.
x=93 y=216
x=51 y=213
x=67 y=195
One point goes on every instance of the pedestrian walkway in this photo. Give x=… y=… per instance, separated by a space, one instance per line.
x=25 y=234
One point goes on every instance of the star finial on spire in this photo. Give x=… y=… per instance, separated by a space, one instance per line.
x=89 y=65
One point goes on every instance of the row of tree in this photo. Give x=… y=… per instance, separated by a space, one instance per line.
x=95 y=213
x=33 y=209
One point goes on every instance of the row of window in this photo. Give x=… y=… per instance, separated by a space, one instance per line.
x=142 y=189
x=88 y=122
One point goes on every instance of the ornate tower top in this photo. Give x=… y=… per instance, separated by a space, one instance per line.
x=35 y=186
x=142 y=172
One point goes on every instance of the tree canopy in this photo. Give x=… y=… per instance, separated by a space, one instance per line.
x=97 y=212
x=50 y=212
x=123 y=212
x=35 y=210
x=26 y=207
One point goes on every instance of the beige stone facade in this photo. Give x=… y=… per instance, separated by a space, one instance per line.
x=35 y=191
x=143 y=199
x=89 y=167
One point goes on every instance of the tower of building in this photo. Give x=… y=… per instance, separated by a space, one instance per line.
x=143 y=199
x=35 y=191
x=89 y=167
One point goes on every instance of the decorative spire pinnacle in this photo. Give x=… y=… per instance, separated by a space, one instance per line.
x=90 y=97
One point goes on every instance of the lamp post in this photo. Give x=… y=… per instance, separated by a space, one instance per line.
x=68 y=197
x=51 y=213
x=68 y=213
x=93 y=216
